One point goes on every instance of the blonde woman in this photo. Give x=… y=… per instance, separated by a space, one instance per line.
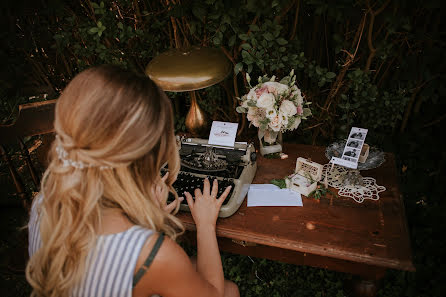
x=97 y=226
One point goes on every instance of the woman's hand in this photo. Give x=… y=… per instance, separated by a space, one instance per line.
x=160 y=192
x=206 y=206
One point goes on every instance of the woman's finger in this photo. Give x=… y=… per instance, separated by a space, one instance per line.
x=214 y=191
x=223 y=196
x=189 y=199
x=165 y=176
x=198 y=193
x=206 y=187
x=158 y=191
x=171 y=206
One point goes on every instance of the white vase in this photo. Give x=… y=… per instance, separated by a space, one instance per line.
x=275 y=147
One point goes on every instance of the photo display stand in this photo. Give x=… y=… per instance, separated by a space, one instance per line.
x=342 y=174
x=352 y=149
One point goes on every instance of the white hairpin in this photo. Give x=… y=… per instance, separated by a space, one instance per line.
x=62 y=154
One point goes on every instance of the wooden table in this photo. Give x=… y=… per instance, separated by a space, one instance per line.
x=337 y=234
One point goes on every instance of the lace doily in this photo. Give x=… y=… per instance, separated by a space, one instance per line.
x=369 y=189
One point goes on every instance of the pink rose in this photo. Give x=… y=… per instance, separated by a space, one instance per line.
x=300 y=110
x=259 y=92
x=252 y=95
x=275 y=87
x=276 y=123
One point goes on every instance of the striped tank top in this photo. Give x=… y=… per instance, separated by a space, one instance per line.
x=110 y=264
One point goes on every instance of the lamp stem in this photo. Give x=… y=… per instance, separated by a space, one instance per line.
x=196 y=122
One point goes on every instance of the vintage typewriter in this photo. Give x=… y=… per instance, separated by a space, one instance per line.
x=231 y=166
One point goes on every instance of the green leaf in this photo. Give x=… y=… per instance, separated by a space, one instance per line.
x=246 y=55
x=243 y=37
x=214 y=16
x=238 y=67
x=252 y=103
x=216 y=40
x=226 y=19
x=254 y=28
x=268 y=36
x=246 y=46
x=330 y=75
x=120 y=26
x=93 y=30
x=240 y=109
x=281 y=41
x=199 y=12
x=279 y=182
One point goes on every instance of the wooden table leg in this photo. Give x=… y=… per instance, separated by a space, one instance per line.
x=362 y=286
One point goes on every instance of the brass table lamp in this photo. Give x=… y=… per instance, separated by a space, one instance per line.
x=180 y=70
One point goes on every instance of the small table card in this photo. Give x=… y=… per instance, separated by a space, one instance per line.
x=352 y=148
x=223 y=133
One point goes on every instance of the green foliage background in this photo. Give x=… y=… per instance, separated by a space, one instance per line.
x=375 y=64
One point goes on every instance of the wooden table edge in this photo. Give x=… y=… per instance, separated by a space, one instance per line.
x=311 y=249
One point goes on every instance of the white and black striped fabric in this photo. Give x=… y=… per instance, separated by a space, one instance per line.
x=110 y=265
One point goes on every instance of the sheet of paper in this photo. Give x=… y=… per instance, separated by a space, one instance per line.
x=352 y=148
x=263 y=187
x=223 y=133
x=271 y=195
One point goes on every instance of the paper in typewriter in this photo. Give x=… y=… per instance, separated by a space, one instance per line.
x=352 y=149
x=223 y=133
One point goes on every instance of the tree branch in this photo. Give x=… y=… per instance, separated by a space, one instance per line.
x=296 y=15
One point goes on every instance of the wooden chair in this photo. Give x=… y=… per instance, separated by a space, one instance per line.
x=33 y=119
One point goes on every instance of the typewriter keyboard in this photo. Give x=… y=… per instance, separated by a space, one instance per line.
x=187 y=182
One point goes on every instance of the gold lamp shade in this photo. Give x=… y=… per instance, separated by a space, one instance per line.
x=180 y=70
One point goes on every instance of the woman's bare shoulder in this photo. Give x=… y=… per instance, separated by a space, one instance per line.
x=171 y=272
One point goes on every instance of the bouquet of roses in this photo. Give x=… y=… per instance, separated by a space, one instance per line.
x=273 y=106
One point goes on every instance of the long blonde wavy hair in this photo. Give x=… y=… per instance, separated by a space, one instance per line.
x=121 y=125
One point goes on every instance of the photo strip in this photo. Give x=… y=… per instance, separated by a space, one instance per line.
x=352 y=148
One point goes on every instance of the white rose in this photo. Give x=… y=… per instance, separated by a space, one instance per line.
x=299 y=97
x=288 y=108
x=271 y=113
x=276 y=123
x=295 y=124
x=275 y=87
x=283 y=118
x=266 y=101
x=252 y=95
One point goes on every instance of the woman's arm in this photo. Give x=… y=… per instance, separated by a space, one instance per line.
x=172 y=273
x=205 y=210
